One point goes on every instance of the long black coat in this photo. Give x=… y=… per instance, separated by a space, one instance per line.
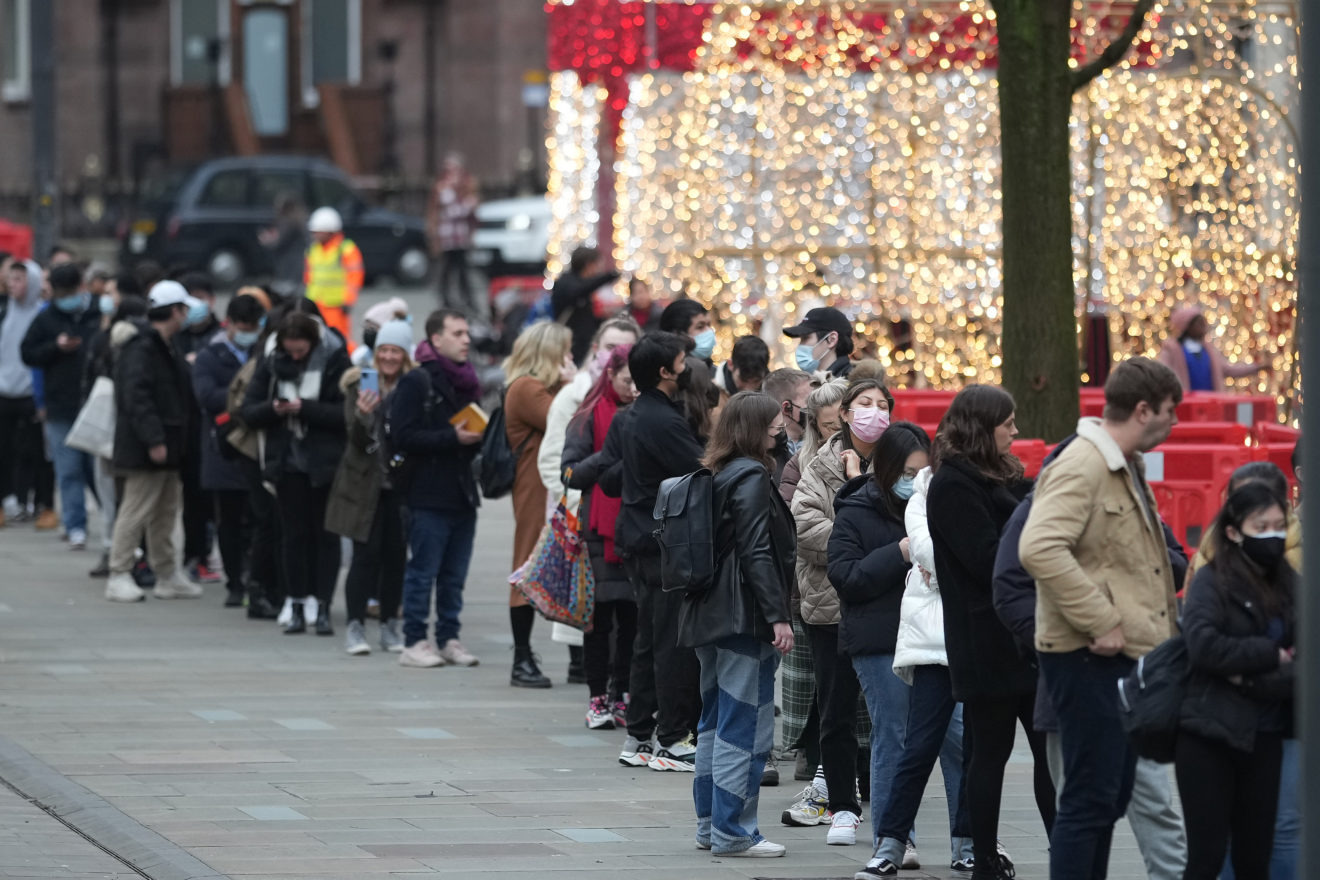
x=657 y=444
x=1226 y=636
x=966 y=512
x=756 y=549
x=867 y=569
x=322 y=419
x=214 y=369
x=612 y=584
x=153 y=402
x=63 y=369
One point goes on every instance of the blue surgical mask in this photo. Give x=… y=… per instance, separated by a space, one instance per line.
x=197 y=314
x=705 y=344
x=107 y=304
x=246 y=338
x=74 y=302
x=905 y=487
x=805 y=355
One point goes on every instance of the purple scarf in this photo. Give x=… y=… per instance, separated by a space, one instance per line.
x=463 y=377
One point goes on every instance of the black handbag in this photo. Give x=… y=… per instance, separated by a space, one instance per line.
x=498 y=465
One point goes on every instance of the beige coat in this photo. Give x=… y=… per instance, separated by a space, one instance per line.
x=1098 y=560
x=813 y=509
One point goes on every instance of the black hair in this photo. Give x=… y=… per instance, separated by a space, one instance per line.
x=890 y=456
x=652 y=353
x=303 y=306
x=130 y=306
x=435 y=322
x=5 y=255
x=1272 y=590
x=299 y=325
x=65 y=278
x=245 y=310
x=1266 y=472
x=128 y=285
x=581 y=258
x=751 y=358
x=163 y=313
x=58 y=248
x=679 y=314
x=148 y=273
x=198 y=281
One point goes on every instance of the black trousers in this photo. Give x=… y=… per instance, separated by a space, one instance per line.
x=989 y=727
x=233 y=532
x=665 y=679
x=837 y=690
x=310 y=553
x=613 y=623
x=1228 y=794
x=378 y=564
x=454 y=268
x=265 y=570
x=198 y=508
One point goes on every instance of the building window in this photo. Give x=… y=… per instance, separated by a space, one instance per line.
x=17 y=48
x=199 y=42
x=332 y=45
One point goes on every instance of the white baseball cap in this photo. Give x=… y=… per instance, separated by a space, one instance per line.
x=167 y=293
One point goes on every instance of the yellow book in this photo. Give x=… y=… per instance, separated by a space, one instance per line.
x=471 y=418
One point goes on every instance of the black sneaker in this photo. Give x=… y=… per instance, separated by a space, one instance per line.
x=143 y=576
x=876 y=868
x=1002 y=869
x=770 y=775
x=102 y=569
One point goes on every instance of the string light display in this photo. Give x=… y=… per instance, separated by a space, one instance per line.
x=847 y=151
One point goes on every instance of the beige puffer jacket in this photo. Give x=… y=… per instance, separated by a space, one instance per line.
x=813 y=508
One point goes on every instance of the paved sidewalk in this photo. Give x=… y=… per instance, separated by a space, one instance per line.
x=35 y=844
x=272 y=757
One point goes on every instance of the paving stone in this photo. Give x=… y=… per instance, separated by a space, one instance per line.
x=273 y=814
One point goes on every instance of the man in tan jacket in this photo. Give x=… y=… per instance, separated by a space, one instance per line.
x=1096 y=548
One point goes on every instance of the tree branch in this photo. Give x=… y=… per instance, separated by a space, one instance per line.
x=1115 y=51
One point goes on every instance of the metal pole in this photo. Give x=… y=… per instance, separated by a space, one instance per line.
x=1308 y=260
x=46 y=192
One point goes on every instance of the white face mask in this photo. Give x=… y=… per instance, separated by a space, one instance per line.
x=1194 y=346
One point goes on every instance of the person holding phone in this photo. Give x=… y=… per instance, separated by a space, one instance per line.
x=364 y=504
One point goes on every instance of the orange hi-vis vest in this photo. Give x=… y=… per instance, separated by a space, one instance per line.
x=333 y=273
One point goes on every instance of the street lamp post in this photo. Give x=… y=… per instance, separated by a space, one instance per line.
x=46 y=190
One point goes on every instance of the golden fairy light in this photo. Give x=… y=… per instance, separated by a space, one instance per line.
x=814 y=157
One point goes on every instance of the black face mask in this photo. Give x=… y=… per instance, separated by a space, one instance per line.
x=1264 y=551
x=369 y=338
x=781 y=442
x=685 y=379
x=801 y=418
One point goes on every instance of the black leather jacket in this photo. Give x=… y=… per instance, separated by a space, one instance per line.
x=756 y=547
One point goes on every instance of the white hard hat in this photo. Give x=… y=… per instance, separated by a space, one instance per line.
x=325 y=220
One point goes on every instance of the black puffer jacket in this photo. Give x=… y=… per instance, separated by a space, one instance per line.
x=967 y=512
x=153 y=401
x=612 y=584
x=867 y=569
x=320 y=421
x=756 y=548
x=1226 y=636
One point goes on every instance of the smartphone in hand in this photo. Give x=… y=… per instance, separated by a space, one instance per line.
x=370 y=381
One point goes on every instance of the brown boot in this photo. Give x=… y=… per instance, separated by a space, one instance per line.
x=47 y=521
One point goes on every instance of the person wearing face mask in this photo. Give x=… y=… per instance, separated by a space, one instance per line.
x=1197 y=363
x=393 y=309
x=58 y=342
x=689 y=318
x=221 y=475
x=200 y=329
x=1239 y=624
x=154 y=404
x=571 y=298
x=865 y=416
x=745 y=370
x=825 y=339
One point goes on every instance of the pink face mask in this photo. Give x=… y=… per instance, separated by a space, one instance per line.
x=868 y=423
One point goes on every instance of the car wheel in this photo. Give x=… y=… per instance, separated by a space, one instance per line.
x=413 y=265
x=225 y=267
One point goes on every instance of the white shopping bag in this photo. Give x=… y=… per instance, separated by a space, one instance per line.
x=94 y=430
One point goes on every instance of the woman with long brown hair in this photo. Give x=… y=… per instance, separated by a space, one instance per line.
x=740 y=627
x=540 y=365
x=977 y=484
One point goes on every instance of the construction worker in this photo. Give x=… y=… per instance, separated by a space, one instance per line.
x=333 y=274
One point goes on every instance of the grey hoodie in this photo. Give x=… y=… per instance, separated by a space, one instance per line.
x=15 y=376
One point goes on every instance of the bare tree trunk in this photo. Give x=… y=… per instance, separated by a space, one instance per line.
x=1039 y=299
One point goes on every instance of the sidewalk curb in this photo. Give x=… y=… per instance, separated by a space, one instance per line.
x=91 y=816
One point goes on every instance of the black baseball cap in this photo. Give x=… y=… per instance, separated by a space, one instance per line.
x=821 y=321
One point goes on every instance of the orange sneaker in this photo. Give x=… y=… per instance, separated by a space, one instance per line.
x=47 y=521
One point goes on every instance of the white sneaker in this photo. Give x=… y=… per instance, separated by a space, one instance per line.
x=122 y=588
x=177 y=586
x=77 y=539
x=421 y=656
x=763 y=850
x=455 y=654
x=12 y=507
x=843 y=829
x=355 y=640
x=911 y=860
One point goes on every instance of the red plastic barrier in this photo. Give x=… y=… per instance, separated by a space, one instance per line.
x=1278 y=453
x=1195 y=408
x=1032 y=453
x=1272 y=432
x=1202 y=462
x=1227 y=433
x=1245 y=408
x=17 y=239
x=1188 y=506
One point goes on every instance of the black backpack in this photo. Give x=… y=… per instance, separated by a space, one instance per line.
x=499 y=461
x=685 y=510
x=1150 y=700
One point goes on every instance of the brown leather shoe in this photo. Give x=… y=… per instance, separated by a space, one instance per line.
x=47 y=521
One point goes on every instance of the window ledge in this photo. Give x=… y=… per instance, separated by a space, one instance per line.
x=15 y=93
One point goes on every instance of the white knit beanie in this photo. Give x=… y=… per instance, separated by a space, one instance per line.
x=396 y=333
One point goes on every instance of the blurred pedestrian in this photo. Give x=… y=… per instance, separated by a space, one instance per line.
x=287 y=242
x=20 y=432
x=451 y=218
x=393 y=309
x=334 y=273
x=1198 y=364
x=642 y=305
x=572 y=297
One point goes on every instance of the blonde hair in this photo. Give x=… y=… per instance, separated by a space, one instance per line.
x=539 y=352
x=829 y=394
x=403 y=370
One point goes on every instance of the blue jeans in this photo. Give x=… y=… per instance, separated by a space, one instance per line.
x=1098 y=765
x=734 y=736
x=887 y=699
x=1287 y=822
x=934 y=730
x=441 y=545
x=73 y=473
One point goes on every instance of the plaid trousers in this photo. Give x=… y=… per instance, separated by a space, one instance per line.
x=799 y=693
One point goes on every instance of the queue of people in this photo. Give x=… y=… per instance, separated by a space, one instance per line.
x=925 y=599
